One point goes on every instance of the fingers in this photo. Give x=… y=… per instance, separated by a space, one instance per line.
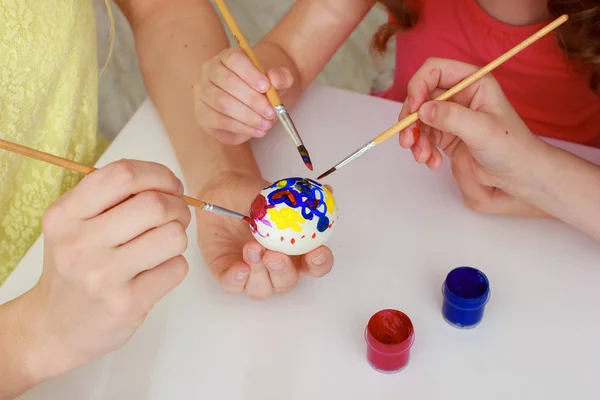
x=217 y=110
x=225 y=102
x=474 y=194
x=282 y=271
x=258 y=285
x=112 y=184
x=150 y=249
x=318 y=262
x=152 y=285
x=422 y=148
x=234 y=279
x=244 y=90
x=436 y=159
x=230 y=101
x=137 y=215
x=264 y=272
x=237 y=61
x=438 y=73
x=281 y=78
x=410 y=135
x=472 y=127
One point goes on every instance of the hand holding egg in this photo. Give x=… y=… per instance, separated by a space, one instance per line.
x=293 y=216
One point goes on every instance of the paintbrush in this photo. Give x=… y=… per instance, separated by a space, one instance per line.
x=272 y=95
x=414 y=117
x=86 y=169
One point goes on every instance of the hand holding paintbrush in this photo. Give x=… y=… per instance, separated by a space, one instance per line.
x=414 y=117
x=273 y=97
x=86 y=169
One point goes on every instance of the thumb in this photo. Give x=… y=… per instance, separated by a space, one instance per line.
x=471 y=126
x=281 y=78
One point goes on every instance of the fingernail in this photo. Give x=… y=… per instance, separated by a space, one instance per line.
x=269 y=113
x=260 y=133
x=276 y=265
x=320 y=259
x=266 y=124
x=240 y=276
x=427 y=112
x=181 y=189
x=254 y=255
x=408 y=103
x=263 y=85
x=278 y=82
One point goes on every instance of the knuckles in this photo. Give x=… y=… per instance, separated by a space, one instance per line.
x=122 y=172
x=155 y=205
x=52 y=219
x=177 y=237
x=233 y=56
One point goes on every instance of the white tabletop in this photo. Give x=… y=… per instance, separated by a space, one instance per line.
x=402 y=229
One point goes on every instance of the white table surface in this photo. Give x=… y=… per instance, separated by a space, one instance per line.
x=539 y=338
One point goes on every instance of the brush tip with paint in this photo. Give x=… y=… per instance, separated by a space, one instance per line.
x=326 y=173
x=305 y=157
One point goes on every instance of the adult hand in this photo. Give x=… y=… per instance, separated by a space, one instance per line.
x=488 y=144
x=239 y=262
x=112 y=249
x=230 y=101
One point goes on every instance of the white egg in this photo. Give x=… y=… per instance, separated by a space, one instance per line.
x=294 y=216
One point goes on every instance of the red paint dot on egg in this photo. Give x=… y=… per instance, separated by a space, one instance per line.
x=282 y=238
x=314 y=235
x=268 y=235
x=293 y=241
x=303 y=236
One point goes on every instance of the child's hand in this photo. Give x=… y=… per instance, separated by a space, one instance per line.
x=230 y=101
x=487 y=142
x=236 y=259
x=112 y=249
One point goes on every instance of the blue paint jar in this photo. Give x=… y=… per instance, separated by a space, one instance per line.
x=466 y=291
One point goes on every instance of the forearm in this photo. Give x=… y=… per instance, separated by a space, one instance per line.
x=172 y=43
x=15 y=370
x=306 y=38
x=565 y=186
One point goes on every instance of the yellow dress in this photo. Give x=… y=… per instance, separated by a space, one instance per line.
x=48 y=101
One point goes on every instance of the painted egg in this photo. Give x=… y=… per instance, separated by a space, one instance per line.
x=293 y=216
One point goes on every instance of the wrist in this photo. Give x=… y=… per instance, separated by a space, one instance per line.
x=223 y=162
x=226 y=178
x=533 y=167
x=21 y=366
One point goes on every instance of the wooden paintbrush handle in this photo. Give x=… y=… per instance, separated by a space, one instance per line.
x=405 y=122
x=71 y=165
x=244 y=45
x=46 y=157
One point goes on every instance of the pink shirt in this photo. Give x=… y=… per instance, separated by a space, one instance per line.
x=548 y=91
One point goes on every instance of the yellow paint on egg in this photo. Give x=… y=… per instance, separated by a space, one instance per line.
x=286 y=218
x=329 y=201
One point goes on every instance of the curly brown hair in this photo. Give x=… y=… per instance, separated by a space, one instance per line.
x=579 y=37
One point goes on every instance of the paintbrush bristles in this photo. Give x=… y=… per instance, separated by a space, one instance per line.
x=305 y=157
x=326 y=173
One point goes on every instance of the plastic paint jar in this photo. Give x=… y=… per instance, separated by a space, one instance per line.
x=466 y=291
x=389 y=336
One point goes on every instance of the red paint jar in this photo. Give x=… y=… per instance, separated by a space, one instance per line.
x=389 y=336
